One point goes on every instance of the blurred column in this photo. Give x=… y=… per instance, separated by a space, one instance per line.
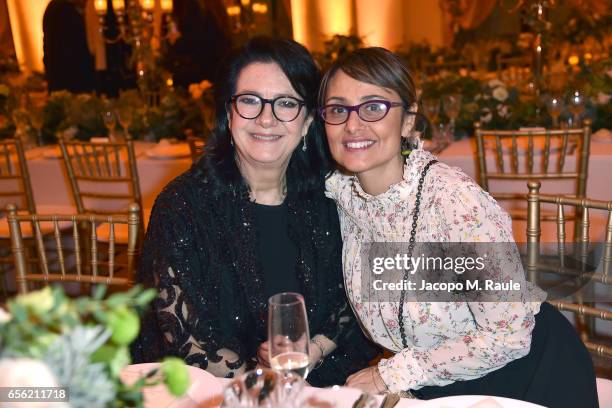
x=315 y=21
x=26 y=25
x=6 y=37
x=385 y=23
x=380 y=23
x=423 y=21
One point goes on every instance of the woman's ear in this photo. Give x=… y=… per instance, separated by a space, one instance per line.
x=306 y=125
x=409 y=120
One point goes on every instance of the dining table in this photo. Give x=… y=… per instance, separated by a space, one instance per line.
x=208 y=391
x=51 y=186
x=462 y=154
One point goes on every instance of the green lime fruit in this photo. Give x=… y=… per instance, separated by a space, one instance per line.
x=176 y=375
x=124 y=324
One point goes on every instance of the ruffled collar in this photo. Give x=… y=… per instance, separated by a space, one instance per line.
x=412 y=169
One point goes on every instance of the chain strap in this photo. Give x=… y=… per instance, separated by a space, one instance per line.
x=415 y=217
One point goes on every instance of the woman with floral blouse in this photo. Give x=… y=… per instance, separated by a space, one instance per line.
x=523 y=349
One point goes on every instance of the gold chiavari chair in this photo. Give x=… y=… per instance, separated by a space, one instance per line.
x=196 y=147
x=538 y=155
x=15 y=187
x=504 y=62
x=96 y=267
x=104 y=179
x=577 y=276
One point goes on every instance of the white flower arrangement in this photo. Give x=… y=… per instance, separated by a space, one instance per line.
x=500 y=93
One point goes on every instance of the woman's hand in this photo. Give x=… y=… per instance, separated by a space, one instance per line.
x=368 y=380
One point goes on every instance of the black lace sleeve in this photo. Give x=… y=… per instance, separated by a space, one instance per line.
x=341 y=319
x=353 y=350
x=184 y=318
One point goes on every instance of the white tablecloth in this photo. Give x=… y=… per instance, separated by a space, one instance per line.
x=599 y=185
x=462 y=154
x=52 y=187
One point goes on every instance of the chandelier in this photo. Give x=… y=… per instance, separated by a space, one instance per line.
x=136 y=21
x=245 y=15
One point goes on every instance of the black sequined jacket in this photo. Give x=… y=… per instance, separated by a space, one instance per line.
x=200 y=252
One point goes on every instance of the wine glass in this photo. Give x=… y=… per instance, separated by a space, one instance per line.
x=288 y=333
x=452 y=107
x=208 y=117
x=37 y=121
x=21 y=122
x=432 y=111
x=554 y=105
x=576 y=105
x=125 y=120
x=110 y=121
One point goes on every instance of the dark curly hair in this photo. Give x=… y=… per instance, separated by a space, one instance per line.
x=306 y=169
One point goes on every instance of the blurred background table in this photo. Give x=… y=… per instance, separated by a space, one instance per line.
x=52 y=189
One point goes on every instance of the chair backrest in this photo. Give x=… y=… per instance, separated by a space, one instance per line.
x=586 y=309
x=526 y=155
x=103 y=176
x=196 y=147
x=75 y=265
x=15 y=186
x=435 y=68
x=505 y=62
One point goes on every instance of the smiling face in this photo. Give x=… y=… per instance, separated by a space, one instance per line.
x=265 y=142
x=371 y=150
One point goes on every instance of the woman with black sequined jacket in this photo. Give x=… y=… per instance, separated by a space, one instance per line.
x=248 y=220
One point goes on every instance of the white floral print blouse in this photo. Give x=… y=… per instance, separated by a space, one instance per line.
x=447 y=341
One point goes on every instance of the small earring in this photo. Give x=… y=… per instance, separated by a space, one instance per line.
x=304 y=147
x=408 y=144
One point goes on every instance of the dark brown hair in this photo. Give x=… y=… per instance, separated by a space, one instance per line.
x=306 y=169
x=377 y=66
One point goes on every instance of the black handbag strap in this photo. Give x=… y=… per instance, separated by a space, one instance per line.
x=415 y=217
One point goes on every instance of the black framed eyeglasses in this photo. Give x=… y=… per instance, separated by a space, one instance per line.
x=284 y=108
x=369 y=111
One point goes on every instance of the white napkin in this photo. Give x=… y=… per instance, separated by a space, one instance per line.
x=166 y=149
x=602 y=135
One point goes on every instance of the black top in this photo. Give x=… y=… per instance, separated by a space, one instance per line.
x=201 y=252
x=277 y=252
x=558 y=371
